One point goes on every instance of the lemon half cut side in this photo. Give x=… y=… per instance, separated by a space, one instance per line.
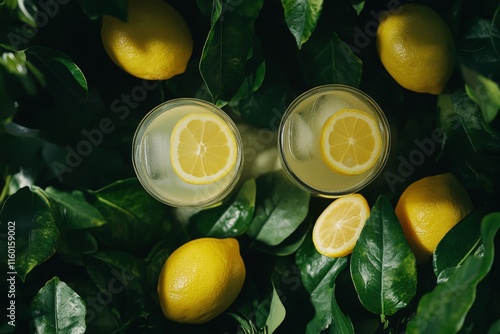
x=339 y=226
x=203 y=148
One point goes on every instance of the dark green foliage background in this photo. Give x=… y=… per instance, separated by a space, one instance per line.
x=87 y=232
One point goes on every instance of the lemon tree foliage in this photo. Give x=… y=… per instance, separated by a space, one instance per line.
x=87 y=243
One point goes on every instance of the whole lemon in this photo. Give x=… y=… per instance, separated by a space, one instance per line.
x=154 y=44
x=428 y=209
x=416 y=47
x=201 y=279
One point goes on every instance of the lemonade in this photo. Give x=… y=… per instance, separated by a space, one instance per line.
x=302 y=134
x=161 y=166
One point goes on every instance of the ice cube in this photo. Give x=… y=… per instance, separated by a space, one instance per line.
x=302 y=139
x=155 y=155
x=323 y=107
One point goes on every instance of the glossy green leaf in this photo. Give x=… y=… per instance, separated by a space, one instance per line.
x=226 y=49
x=301 y=17
x=58 y=309
x=481 y=139
x=277 y=310
x=62 y=67
x=36 y=237
x=341 y=323
x=383 y=267
x=484 y=91
x=326 y=59
x=462 y=241
x=318 y=275
x=231 y=219
x=443 y=310
x=280 y=208
x=72 y=210
x=134 y=218
x=26 y=10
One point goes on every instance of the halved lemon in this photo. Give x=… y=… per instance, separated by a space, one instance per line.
x=350 y=141
x=338 y=227
x=202 y=148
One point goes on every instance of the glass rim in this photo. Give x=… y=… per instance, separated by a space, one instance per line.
x=165 y=106
x=385 y=129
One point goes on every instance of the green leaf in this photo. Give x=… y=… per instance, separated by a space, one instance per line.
x=443 y=310
x=326 y=59
x=318 y=274
x=264 y=108
x=341 y=323
x=134 y=218
x=15 y=63
x=462 y=241
x=58 y=309
x=301 y=17
x=230 y=219
x=485 y=169
x=28 y=214
x=357 y=5
x=494 y=328
x=155 y=261
x=484 y=91
x=72 y=210
x=26 y=10
x=495 y=31
x=277 y=310
x=123 y=261
x=383 y=267
x=62 y=67
x=94 y=9
x=481 y=139
x=279 y=209
x=74 y=242
x=224 y=55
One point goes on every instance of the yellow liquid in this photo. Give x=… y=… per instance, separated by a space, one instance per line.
x=154 y=169
x=300 y=137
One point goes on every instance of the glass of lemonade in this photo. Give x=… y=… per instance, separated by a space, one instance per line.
x=187 y=153
x=315 y=151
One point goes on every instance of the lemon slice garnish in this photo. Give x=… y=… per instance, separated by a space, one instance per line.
x=202 y=148
x=350 y=141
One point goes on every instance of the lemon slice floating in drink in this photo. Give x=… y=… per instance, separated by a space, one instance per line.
x=350 y=141
x=338 y=227
x=202 y=148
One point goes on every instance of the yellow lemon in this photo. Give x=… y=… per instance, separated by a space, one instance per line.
x=202 y=148
x=200 y=280
x=154 y=44
x=338 y=227
x=428 y=209
x=350 y=141
x=416 y=47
